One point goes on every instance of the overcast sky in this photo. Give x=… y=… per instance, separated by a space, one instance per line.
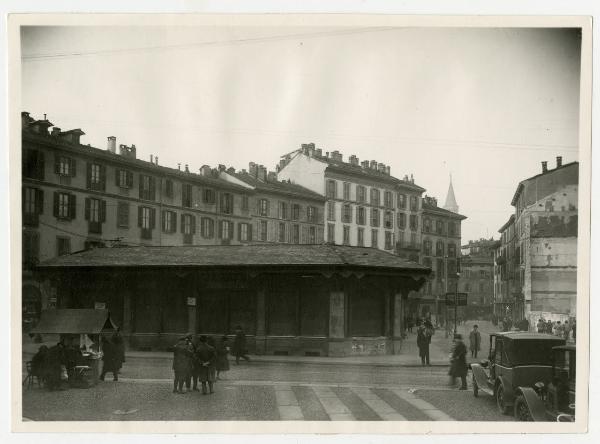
x=486 y=105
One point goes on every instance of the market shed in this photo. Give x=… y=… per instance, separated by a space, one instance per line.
x=290 y=299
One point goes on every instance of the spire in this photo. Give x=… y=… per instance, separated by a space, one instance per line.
x=451 y=204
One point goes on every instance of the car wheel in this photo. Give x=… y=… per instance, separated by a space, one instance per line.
x=522 y=412
x=502 y=408
x=475 y=388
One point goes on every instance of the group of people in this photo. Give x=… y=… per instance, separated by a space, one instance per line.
x=564 y=330
x=204 y=360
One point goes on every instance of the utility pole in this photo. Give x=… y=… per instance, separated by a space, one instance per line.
x=456 y=292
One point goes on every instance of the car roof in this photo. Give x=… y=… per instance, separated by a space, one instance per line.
x=517 y=335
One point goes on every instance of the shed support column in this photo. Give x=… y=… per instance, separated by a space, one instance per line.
x=191 y=314
x=126 y=327
x=337 y=324
x=261 y=324
x=398 y=323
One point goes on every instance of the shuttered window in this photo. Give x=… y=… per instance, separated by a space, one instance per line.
x=124 y=178
x=65 y=166
x=147 y=187
x=96 y=176
x=33 y=164
x=122 y=214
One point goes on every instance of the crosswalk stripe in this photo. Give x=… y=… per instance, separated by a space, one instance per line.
x=335 y=408
x=427 y=408
x=378 y=405
x=287 y=404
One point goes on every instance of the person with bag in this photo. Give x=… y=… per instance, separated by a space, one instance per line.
x=458 y=362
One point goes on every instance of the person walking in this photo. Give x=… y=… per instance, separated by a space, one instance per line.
x=206 y=356
x=110 y=360
x=458 y=362
x=549 y=327
x=119 y=345
x=239 y=345
x=474 y=341
x=423 y=341
x=181 y=364
x=222 y=351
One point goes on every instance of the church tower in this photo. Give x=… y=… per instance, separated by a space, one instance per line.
x=451 y=204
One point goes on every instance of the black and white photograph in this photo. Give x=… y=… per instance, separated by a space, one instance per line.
x=371 y=221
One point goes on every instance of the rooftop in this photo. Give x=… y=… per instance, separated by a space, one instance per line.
x=280 y=187
x=441 y=211
x=251 y=255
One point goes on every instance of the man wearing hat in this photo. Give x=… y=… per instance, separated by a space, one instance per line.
x=182 y=357
x=206 y=359
x=458 y=362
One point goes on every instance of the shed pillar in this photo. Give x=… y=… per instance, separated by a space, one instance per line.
x=261 y=324
x=126 y=327
x=191 y=305
x=398 y=323
x=337 y=323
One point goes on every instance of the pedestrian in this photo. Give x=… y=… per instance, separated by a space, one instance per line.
x=458 y=362
x=222 y=351
x=474 y=341
x=423 y=341
x=54 y=362
x=119 y=345
x=558 y=329
x=206 y=356
x=110 y=359
x=239 y=345
x=541 y=325
x=181 y=364
x=574 y=330
x=549 y=327
x=193 y=370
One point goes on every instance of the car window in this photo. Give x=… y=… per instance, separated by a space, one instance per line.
x=498 y=352
x=492 y=347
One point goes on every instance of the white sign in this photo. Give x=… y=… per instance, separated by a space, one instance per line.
x=191 y=301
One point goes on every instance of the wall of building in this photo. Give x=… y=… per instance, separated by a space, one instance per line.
x=305 y=171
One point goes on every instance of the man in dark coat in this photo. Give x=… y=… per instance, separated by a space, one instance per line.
x=206 y=356
x=119 y=344
x=38 y=364
x=239 y=345
x=55 y=359
x=458 y=362
x=182 y=358
x=110 y=360
x=474 y=341
x=423 y=341
x=222 y=350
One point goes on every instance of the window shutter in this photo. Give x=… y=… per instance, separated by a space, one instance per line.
x=56 y=204
x=152 y=218
x=211 y=228
x=268 y=208
x=72 y=166
x=164 y=215
x=193 y=224
x=230 y=225
x=102 y=177
x=220 y=229
x=40 y=166
x=141 y=186
x=152 y=188
x=89 y=177
x=182 y=223
x=72 y=206
x=117 y=175
x=174 y=222
x=102 y=211
x=129 y=179
x=57 y=164
x=249 y=232
x=87 y=208
x=39 y=201
x=239 y=231
x=140 y=209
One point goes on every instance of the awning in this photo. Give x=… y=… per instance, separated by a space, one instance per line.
x=74 y=321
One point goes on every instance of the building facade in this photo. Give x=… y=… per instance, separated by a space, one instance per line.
x=76 y=197
x=366 y=206
x=441 y=234
x=536 y=263
x=477 y=277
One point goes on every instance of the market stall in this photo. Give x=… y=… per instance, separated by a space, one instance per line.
x=81 y=332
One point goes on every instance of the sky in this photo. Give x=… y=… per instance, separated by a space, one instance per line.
x=485 y=105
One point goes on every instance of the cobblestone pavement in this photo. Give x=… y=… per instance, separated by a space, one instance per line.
x=293 y=394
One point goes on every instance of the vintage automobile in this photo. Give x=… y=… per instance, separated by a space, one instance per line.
x=554 y=401
x=516 y=359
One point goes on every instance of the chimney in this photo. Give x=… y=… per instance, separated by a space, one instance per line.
x=412 y=179
x=381 y=167
x=156 y=160
x=387 y=170
x=373 y=164
x=272 y=176
x=365 y=164
x=187 y=170
x=319 y=152
x=281 y=163
x=262 y=173
x=544 y=167
x=55 y=131
x=353 y=160
x=558 y=161
x=253 y=169
x=222 y=168
x=327 y=154
x=133 y=152
x=205 y=170
x=337 y=156
x=111 y=145
x=151 y=158
x=231 y=170
x=179 y=166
